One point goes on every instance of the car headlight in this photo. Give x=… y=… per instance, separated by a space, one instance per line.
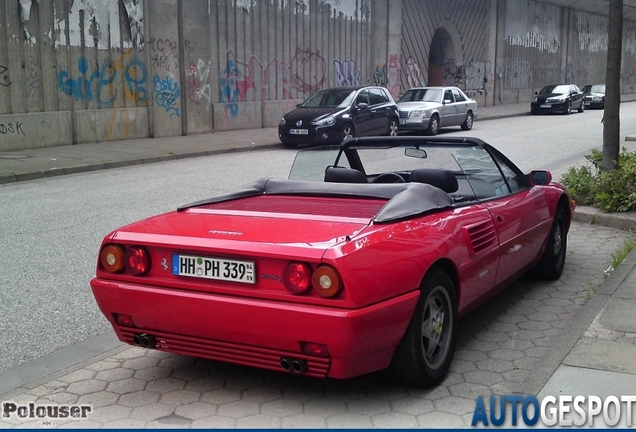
x=282 y=121
x=327 y=121
x=416 y=113
x=535 y=99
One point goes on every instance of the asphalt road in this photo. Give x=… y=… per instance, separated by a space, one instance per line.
x=52 y=228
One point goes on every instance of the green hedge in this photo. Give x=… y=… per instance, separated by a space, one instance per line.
x=613 y=191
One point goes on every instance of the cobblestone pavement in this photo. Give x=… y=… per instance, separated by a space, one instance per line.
x=500 y=346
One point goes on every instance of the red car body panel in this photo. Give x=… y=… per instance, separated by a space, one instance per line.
x=482 y=246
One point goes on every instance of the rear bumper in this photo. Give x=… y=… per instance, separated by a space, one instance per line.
x=259 y=333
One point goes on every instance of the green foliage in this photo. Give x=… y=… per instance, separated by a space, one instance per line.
x=613 y=191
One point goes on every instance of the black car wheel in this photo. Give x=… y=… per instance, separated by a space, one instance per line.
x=568 y=108
x=468 y=123
x=552 y=261
x=348 y=131
x=582 y=107
x=433 y=125
x=425 y=353
x=288 y=144
x=393 y=128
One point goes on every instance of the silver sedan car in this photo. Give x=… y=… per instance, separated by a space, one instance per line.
x=432 y=108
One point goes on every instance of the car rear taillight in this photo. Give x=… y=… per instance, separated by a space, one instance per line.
x=137 y=261
x=134 y=260
x=326 y=281
x=112 y=258
x=297 y=277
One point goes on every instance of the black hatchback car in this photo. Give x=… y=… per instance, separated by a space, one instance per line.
x=558 y=98
x=331 y=115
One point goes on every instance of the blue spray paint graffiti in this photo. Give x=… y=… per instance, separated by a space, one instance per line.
x=101 y=83
x=228 y=91
x=347 y=73
x=167 y=93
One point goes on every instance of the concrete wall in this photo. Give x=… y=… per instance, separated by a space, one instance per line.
x=100 y=70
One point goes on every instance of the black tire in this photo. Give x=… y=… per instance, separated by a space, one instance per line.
x=582 y=107
x=468 y=123
x=393 y=128
x=433 y=125
x=287 y=144
x=552 y=261
x=568 y=108
x=348 y=131
x=422 y=359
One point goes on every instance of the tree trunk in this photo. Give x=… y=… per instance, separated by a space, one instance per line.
x=611 y=114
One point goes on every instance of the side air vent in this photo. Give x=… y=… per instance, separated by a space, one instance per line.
x=481 y=236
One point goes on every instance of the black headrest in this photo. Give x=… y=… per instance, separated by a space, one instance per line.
x=335 y=174
x=445 y=180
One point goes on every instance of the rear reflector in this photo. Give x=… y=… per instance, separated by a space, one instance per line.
x=112 y=258
x=326 y=281
x=123 y=320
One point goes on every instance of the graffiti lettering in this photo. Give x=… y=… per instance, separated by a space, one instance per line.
x=312 y=71
x=160 y=45
x=197 y=83
x=32 y=77
x=518 y=75
x=393 y=75
x=477 y=74
x=167 y=93
x=193 y=49
x=165 y=61
x=414 y=76
x=100 y=84
x=11 y=128
x=453 y=74
x=379 y=75
x=4 y=77
x=347 y=73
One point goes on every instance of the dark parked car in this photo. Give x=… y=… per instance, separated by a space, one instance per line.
x=594 y=95
x=331 y=115
x=558 y=98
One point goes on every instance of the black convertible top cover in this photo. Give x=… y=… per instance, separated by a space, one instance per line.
x=406 y=200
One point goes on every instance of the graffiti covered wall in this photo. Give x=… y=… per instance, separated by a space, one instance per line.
x=446 y=44
x=74 y=71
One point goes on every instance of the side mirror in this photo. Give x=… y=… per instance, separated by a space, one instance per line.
x=447 y=101
x=538 y=178
x=362 y=105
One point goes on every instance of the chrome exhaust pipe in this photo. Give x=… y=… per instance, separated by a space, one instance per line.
x=137 y=339
x=299 y=366
x=144 y=340
x=285 y=363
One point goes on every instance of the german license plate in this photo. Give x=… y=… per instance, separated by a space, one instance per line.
x=299 y=131
x=213 y=268
x=588 y=103
x=546 y=106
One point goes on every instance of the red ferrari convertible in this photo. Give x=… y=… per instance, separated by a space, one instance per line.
x=363 y=260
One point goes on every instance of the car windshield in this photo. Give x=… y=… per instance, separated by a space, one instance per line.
x=597 y=88
x=473 y=167
x=329 y=99
x=421 y=95
x=556 y=89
